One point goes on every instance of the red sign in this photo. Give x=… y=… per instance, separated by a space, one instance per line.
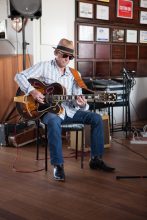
x=125 y=9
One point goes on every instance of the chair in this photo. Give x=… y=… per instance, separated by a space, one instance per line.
x=66 y=127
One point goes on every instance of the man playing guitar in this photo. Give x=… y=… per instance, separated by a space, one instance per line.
x=58 y=71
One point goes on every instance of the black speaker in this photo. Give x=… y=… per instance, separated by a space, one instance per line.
x=26 y=8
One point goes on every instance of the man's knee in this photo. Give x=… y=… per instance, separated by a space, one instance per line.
x=51 y=118
x=97 y=118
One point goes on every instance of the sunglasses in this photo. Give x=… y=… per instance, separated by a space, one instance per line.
x=64 y=55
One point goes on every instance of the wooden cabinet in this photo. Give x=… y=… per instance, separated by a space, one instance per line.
x=9 y=66
x=123 y=44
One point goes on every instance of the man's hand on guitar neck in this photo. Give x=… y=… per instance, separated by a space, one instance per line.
x=81 y=101
x=38 y=96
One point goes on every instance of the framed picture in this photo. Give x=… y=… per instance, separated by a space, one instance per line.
x=86 y=33
x=125 y=9
x=131 y=36
x=118 y=35
x=102 y=12
x=3 y=33
x=85 y=10
x=103 y=0
x=143 y=3
x=143 y=37
x=102 y=34
x=143 y=17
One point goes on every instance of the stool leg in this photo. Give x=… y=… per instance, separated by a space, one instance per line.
x=76 y=155
x=46 y=149
x=112 y=119
x=37 y=139
x=82 y=148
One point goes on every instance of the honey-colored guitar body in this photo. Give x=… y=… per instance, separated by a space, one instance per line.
x=28 y=108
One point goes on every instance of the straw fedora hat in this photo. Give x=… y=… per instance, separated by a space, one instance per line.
x=65 y=46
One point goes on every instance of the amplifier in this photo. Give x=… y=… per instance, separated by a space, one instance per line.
x=10 y=129
x=114 y=86
x=15 y=134
x=108 y=85
x=24 y=137
x=105 y=118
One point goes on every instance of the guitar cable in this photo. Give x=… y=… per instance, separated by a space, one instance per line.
x=30 y=171
x=18 y=155
x=18 y=151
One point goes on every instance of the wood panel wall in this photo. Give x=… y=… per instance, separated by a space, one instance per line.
x=9 y=66
x=100 y=58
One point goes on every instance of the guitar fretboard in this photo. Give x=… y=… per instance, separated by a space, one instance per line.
x=104 y=97
x=71 y=97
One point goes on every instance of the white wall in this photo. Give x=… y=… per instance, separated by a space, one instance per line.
x=138 y=100
x=16 y=38
x=3 y=9
x=57 y=22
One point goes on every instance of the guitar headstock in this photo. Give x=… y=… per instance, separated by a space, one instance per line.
x=107 y=97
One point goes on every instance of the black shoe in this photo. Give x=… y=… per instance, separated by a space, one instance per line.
x=59 y=173
x=97 y=163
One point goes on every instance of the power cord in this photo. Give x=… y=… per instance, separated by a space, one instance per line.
x=22 y=171
x=18 y=155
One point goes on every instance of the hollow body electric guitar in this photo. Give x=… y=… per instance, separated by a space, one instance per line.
x=54 y=94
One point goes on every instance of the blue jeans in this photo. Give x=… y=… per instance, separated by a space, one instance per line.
x=54 y=134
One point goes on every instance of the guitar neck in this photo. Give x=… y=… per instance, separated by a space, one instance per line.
x=101 y=97
x=71 y=97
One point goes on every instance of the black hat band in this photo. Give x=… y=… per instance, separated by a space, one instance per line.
x=65 y=49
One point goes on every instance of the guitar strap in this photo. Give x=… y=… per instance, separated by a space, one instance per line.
x=79 y=80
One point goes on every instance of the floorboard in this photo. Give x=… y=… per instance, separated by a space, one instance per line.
x=86 y=194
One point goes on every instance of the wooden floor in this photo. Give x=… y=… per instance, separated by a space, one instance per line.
x=86 y=194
